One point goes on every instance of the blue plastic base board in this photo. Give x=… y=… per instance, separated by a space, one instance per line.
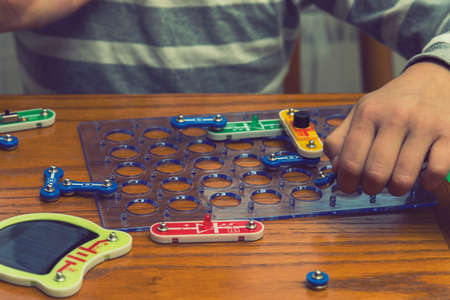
x=171 y=174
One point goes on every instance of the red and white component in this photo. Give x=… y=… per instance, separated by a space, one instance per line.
x=206 y=231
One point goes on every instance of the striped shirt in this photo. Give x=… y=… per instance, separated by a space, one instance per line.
x=206 y=46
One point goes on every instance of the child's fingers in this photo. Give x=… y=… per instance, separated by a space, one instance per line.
x=438 y=163
x=333 y=143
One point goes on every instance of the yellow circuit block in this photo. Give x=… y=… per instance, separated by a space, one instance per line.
x=306 y=140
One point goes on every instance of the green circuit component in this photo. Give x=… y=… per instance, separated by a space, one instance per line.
x=255 y=128
x=448 y=177
x=26 y=119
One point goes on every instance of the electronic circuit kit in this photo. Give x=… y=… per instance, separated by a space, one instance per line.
x=185 y=179
x=234 y=166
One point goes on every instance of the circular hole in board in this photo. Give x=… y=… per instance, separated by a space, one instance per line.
x=142 y=206
x=129 y=169
x=335 y=189
x=193 y=131
x=119 y=135
x=241 y=145
x=124 y=152
x=296 y=175
x=256 y=178
x=266 y=196
x=136 y=187
x=163 y=149
x=176 y=184
x=169 y=166
x=335 y=120
x=201 y=146
x=306 y=193
x=184 y=203
x=225 y=200
x=217 y=181
x=209 y=163
x=276 y=142
x=247 y=160
x=156 y=133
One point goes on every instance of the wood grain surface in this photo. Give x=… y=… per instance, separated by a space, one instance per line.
x=398 y=255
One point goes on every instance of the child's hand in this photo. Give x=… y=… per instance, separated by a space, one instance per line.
x=389 y=133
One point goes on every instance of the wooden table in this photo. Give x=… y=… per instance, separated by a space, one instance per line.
x=401 y=255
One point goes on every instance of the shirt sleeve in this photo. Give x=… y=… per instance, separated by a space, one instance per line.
x=416 y=29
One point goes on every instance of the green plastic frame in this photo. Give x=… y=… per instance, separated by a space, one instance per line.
x=66 y=277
